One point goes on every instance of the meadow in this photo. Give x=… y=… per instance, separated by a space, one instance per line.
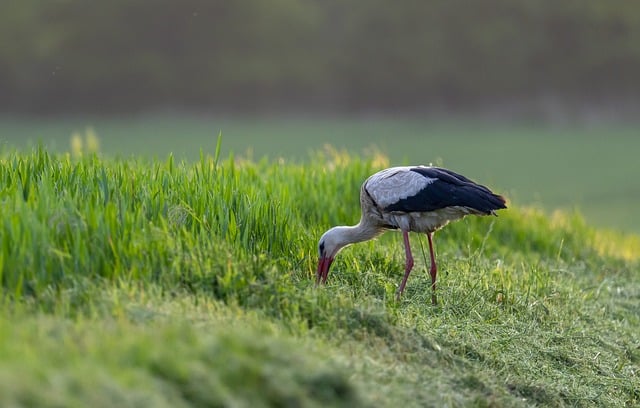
x=572 y=165
x=157 y=281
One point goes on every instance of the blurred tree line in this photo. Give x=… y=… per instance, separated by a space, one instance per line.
x=336 y=55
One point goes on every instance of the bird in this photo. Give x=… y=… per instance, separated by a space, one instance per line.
x=419 y=199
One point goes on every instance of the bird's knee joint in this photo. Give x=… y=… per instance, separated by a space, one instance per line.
x=409 y=264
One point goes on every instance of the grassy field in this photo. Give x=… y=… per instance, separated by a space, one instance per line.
x=571 y=166
x=157 y=282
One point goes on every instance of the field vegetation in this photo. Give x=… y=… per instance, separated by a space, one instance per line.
x=142 y=264
x=572 y=166
x=161 y=282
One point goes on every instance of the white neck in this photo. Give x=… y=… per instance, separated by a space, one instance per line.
x=357 y=233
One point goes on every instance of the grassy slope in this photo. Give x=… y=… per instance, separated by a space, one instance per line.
x=555 y=166
x=167 y=284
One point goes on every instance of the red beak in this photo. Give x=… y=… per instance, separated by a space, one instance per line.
x=323 y=269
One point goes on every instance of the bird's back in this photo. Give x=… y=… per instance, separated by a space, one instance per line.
x=432 y=196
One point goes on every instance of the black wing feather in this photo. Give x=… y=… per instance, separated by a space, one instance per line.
x=450 y=189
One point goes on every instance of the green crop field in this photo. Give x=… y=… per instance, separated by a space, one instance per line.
x=142 y=281
x=573 y=167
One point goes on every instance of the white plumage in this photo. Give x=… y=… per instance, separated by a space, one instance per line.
x=411 y=198
x=394 y=184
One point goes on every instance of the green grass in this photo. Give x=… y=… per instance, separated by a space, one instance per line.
x=148 y=282
x=568 y=166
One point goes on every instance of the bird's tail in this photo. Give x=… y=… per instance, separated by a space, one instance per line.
x=496 y=202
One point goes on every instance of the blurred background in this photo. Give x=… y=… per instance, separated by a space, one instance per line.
x=538 y=99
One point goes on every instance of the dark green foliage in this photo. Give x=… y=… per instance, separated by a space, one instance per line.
x=332 y=55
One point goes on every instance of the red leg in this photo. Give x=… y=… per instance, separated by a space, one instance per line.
x=408 y=265
x=433 y=270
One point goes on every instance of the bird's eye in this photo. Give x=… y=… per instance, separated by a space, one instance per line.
x=321 y=248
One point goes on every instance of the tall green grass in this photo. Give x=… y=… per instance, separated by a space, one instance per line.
x=191 y=283
x=562 y=165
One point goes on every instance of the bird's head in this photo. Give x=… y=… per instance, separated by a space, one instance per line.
x=329 y=245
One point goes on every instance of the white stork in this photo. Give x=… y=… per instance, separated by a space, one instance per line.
x=412 y=198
